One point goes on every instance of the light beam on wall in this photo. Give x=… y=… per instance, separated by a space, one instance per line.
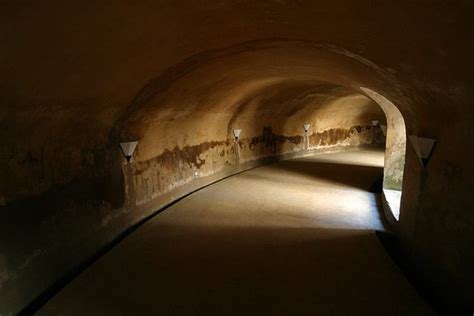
x=423 y=148
x=128 y=148
x=384 y=129
x=237 y=133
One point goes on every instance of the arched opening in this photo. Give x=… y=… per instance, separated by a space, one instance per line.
x=275 y=88
x=394 y=154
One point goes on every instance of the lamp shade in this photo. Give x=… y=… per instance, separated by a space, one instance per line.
x=423 y=147
x=128 y=148
x=237 y=133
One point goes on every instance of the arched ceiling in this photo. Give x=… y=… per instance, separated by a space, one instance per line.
x=96 y=56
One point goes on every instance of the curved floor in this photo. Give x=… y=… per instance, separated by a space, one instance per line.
x=291 y=238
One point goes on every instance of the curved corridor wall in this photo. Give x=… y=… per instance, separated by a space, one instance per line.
x=271 y=121
x=77 y=78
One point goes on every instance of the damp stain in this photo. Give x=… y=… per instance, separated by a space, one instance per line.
x=190 y=155
x=330 y=136
x=272 y=141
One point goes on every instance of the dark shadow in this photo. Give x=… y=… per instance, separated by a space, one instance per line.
x=393 y=247
x=377 y=186
x=268 y=270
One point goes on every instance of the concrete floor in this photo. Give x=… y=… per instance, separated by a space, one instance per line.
x=295 y=237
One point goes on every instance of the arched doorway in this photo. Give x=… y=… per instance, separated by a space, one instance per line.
x=394 y=154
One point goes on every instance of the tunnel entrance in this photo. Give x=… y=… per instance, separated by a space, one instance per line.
x=276 y=89
x=395 y=149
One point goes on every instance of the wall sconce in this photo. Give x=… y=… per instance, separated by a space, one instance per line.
x=237 y=133
x=306 y=127
x=423 y=148
x=128 y=148
x=375 y=122
x=384 y=129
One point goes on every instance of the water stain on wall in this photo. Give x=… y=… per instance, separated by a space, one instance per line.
x=174 y=168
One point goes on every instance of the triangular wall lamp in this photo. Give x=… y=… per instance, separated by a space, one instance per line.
x=237 y=133
x=423 y=148
x=375 y=122
x=128 y=148
x=306 y=127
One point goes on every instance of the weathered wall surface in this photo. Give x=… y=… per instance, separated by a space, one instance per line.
x=78 y=77
x=396 y=141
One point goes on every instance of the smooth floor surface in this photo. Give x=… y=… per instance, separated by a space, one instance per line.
x=291 y=238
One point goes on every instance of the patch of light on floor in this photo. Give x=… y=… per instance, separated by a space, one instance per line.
x=371 y=158
x=393 y=198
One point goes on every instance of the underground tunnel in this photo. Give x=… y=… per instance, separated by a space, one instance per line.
x=237 y=157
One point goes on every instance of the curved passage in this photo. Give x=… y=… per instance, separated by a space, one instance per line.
x=294 y=237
